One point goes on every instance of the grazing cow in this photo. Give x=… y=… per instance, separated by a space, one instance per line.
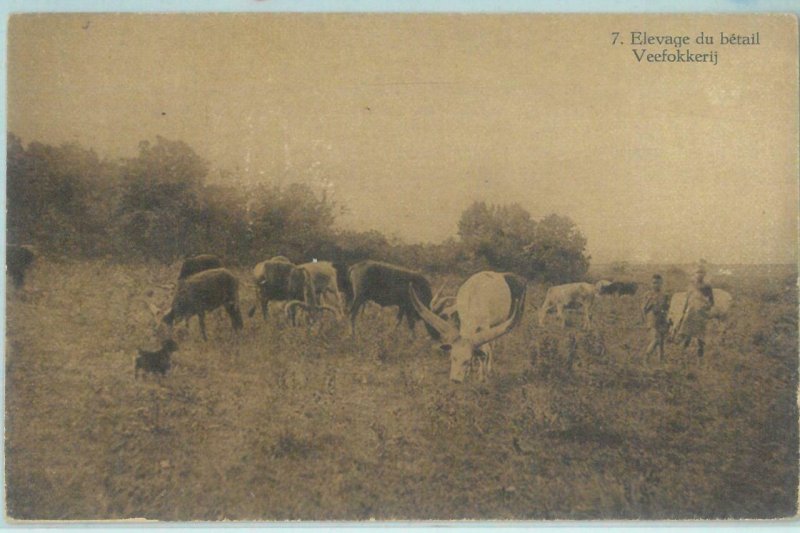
x=489 y=305
x=155 y=362
x=199 y=263
x=304 y=295
x=19 y=259
x=569 y=295
x=677 y=310
x=620 y=288
x=206 y=291
x=387 y=285
x=272 y=282
x=324 y=282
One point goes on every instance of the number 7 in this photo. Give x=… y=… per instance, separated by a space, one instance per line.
x=616 y=36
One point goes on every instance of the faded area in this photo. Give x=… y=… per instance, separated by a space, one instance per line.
x=408 y=119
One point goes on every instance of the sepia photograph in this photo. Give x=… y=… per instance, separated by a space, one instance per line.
x=274 y=267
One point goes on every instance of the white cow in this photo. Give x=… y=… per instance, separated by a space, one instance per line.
x=323 y=277
x=569 y=295
x=489 y=304
x=677 y=306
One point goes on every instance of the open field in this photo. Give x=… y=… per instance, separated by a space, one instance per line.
x=279 y=424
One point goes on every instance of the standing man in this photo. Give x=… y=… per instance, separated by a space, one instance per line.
x=654 y=313
x=699 y=301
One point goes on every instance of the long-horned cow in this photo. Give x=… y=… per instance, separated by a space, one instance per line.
x=387 y=285
x=489 y=305
x=303 y=295
x=206 y=291
x=569 y=295
x=324 y=283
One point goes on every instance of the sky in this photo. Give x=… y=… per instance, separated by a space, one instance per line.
x=408 y=119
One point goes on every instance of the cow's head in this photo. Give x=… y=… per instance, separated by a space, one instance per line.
x=463 y=350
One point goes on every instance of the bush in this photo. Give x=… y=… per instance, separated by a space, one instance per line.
x=507 y=238
x=158 y=206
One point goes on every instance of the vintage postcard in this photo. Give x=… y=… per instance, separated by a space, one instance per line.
x=273 y=267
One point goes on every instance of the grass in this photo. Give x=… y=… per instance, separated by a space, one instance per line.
x=284 y=423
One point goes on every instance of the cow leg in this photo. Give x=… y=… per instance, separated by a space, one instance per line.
x=475 y=367
x=339 y=303
x=264 y=307
x=412 y=324
x=335 y=301
x=358 y=304
x=310 y=317
x=482 y=367
x=295 y=319
x=408 y=314
x=235 y=315
x=252 y=310
x=560 y=314
x=543 y=314
x=400 y=315
x=201 y=317
x=489 y=358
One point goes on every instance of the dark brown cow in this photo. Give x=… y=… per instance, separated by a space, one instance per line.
x=199 y=263
x=387 y=285
x=206 y=291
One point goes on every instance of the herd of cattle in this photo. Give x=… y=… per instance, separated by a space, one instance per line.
x=486 y=306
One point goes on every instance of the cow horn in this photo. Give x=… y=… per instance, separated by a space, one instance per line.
x=329 y=308
x=446 y=302
x=435 y=299
x=436 y=322
x=448 y=310
x=482 y=337
x=292 y=304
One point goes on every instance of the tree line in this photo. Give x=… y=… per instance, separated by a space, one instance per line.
x=161 y=206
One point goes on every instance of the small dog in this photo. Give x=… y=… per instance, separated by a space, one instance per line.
x=155 y=362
